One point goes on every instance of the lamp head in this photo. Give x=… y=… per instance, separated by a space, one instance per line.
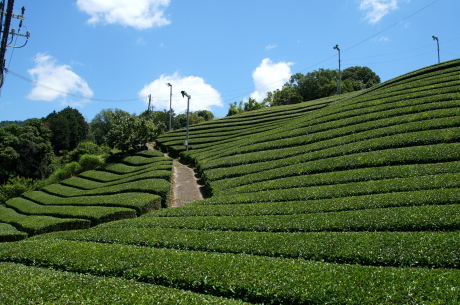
x=185 y=94
x=168 y=84
x=434 y=37
x=336 y=47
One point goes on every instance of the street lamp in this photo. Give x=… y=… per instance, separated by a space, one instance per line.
x=339 y=87
x=170 y=103
x=437 y=42
x=188 y=104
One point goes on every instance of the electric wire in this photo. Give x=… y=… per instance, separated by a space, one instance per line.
x=256 y=88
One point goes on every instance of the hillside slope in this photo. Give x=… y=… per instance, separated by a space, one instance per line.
x=345 y=200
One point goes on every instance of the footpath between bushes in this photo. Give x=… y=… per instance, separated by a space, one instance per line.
x=186 y=187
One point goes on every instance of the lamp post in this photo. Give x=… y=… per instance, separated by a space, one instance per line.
x=170 y=104
x=188 y=104
x=339 y=87
x=437 y=42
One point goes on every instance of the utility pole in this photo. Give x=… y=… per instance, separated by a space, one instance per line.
x=437 y=42
x=339 y=85
x=188 y=104
x=5 y=33
x=170 y=105
x=150 y=101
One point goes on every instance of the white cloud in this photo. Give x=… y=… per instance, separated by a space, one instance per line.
x=269 y=76
x=203 y=95
x=271 y=46
x=56 y=81
x=140 y=14
x=375 y=10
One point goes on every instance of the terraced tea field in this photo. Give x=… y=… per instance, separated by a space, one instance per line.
x=344 y=200
x=134 y=186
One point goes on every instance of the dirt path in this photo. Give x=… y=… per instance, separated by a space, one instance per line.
x=185 y=185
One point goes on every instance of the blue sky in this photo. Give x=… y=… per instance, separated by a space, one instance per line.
x=98 y=54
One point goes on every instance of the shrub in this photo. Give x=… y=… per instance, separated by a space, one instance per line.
x=15 y=187
x=69 y=170
x=89 y=162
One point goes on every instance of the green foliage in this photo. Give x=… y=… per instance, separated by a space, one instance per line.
x=85 y=148
x=69 y=170
x=96 y=214
x=9 y=233
x=15 y=187
x=68 y=128
x=129 y=132
x=419 y=249
x=141 y=202
x=321 y=83
x=89 y=162
x=26 y=285
x=154 y=186
x=234 y=109
x=25 y=151
x=360 y=78
x=351 y=199
x=252 y=278
x=38 y=224
x=250 y=105
x=103 y=122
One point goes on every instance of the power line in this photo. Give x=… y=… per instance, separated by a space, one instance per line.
x=69 y=93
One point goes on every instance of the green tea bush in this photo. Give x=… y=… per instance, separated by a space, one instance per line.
x=83 y=183
x=9 y=233
x=251 y=278
x=413 y=218
x=141 y=202
x=26 y=285
x=421 y=249
x=96 y=214
x=155 y=186
x=228 y=206
x=40 y=224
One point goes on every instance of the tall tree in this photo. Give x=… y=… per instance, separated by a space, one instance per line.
x=360 y=77
x=128 y=133
x=321 y=83
x=68 y=128
x=101 y=124
x=25 y=151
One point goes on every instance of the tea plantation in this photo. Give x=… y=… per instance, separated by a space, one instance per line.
x=352 y=199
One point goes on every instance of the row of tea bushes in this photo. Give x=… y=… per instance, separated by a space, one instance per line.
x=266 y=171
x=27 y=285
x=135 y=185
x=155 y=186
x=226 y=205
x=412 y=218
x=419 y=249
x=333 y=137
x=87 y=184
x=38 y=224
x=140 y=202
x=10 y=233
x=96 y=214
x=251 y=278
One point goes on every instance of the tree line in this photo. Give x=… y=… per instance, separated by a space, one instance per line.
x=313 y=85
x=35 y=148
